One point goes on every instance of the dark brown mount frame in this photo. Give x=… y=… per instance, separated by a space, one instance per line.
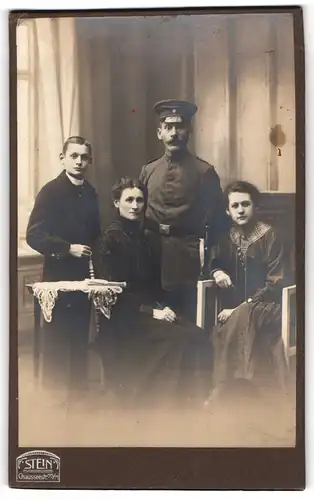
x=171 y=468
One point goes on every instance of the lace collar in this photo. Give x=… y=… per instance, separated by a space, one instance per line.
x=259 y=230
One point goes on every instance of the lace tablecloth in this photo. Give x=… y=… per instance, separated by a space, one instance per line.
x=103 y=293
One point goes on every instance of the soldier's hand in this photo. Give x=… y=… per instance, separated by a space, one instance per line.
x=80 y=251
x=222 y=279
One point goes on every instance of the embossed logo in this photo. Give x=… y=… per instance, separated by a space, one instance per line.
x=38 y=466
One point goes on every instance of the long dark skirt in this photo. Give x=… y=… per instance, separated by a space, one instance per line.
x=249 y=346
x=151 y=361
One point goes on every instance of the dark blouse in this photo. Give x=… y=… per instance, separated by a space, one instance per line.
x=124 y=255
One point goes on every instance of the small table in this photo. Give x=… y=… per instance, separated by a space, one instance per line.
x=37 y=328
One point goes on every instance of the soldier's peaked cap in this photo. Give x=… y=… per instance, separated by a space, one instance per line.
x=173 y=108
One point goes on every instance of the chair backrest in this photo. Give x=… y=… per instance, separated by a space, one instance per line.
x=278 y=209
x=288 y=324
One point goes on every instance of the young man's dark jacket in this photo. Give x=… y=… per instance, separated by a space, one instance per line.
x=64 y=214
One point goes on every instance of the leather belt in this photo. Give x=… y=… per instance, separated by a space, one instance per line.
x=168 y=229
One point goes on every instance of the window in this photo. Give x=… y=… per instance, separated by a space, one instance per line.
x=26 y=126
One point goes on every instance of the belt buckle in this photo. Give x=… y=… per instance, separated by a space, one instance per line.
x=164 y=228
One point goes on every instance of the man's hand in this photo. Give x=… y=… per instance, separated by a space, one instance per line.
x=80 y=251
x=165 y=314
x=222 y=279
x=224 y=315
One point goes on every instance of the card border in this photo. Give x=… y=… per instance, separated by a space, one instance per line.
x=170 y=468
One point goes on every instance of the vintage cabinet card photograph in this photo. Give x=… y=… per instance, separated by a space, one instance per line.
x=157 y=280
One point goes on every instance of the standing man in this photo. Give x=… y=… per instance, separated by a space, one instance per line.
x=63 y=225
x=184 y=202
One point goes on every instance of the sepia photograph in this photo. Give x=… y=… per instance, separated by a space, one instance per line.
x=156 y=208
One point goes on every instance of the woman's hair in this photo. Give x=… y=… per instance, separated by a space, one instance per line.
x=242 y=187
x=125 y=183
x=76 y=139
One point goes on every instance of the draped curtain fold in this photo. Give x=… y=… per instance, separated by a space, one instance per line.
x=48 y=110
x=57 y=91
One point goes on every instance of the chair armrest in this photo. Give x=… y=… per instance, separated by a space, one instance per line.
x=202 y=286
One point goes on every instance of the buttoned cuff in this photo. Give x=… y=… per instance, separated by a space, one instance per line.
x=147 y=309
x=63 y=252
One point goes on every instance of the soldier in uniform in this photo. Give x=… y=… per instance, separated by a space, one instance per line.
x=185 y=201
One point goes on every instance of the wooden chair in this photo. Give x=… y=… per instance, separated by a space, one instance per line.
x=288 y=331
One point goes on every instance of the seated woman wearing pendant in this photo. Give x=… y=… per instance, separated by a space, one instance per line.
x=150 y=355
x=247 y=266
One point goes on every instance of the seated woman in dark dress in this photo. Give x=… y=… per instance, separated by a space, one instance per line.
x=149 y=353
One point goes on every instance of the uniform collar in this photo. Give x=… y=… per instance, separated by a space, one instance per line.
x=176 y=156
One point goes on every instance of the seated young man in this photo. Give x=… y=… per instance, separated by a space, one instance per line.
x=247 y=266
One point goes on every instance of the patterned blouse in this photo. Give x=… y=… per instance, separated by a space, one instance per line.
x=254 y=262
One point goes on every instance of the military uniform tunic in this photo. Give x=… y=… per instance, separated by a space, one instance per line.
x=185 y=193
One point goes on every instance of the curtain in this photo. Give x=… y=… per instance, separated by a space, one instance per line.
x=47 y=110
x=56 y=81
x=244 y=86
x=100 y=77
x=125 y=66
x=239 y=69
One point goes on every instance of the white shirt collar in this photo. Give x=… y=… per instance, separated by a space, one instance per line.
x=76 y=182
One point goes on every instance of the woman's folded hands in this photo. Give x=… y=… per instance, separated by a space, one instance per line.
x=165 y=314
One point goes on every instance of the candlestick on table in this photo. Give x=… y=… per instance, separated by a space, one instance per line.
x=92 y=277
